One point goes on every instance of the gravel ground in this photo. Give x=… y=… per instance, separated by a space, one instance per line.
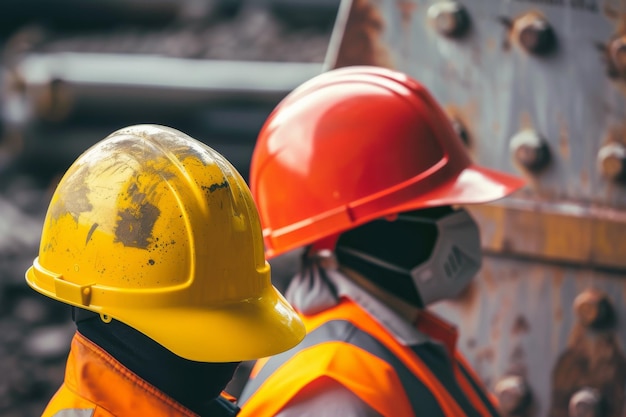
x=35 y=331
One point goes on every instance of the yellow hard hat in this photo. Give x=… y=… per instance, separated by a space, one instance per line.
x=159 y=231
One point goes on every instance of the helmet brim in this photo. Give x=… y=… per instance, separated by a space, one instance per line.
x=233 y=332
x=473 y=185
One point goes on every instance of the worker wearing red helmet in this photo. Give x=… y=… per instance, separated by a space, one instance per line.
x=361 y=167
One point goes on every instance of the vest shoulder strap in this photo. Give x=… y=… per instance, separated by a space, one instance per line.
x=348 y=355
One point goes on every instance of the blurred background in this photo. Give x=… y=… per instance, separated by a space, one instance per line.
x=536 y=88
x=74 y=71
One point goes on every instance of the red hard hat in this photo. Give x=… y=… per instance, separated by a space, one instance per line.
x=355 y=144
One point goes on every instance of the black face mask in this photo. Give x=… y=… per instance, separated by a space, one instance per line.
x=421 y=257
x=195 y=385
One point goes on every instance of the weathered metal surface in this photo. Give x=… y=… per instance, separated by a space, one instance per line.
x=558 y=231
x=590 y=374
x=536 y=88
x=518 y=319
x=514 y=396
x=548 y=66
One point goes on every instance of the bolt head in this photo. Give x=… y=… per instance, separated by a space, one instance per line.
x=535 y=34
x=530 y=150
x=617 y=55
x=594 y=309
x=513 y=394
x=586 y=402
x=449 y=18
x=612 y=161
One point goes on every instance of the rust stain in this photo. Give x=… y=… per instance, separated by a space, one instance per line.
x=466 y=116
x=496 y=127
x=556 y=284
x=520 y=326
x=616 y=134
x=611 y=52
x=616 y=10
x=593 y=358
x=492 y=234
x=608 y=246
x=485 y=354
x=564 y=144
x=605 y=56
x=491 y=44
x=585 y=177
x=592 y=235
x=469 y=297
x=558 y=277
x=407 y=8
x=488 y=279
x=495 y=324
x=597 y=364
x=526 y=121
x=558 y=315
x=361 y=43
x=594 y=309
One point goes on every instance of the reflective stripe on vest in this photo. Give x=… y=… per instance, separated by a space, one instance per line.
x=75 y=412
x=422 y=400
x=478 y=389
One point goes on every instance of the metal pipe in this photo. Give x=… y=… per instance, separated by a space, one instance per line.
x=59 y=86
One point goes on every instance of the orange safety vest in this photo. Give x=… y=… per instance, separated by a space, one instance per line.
x=347 y=345
x=97 y=385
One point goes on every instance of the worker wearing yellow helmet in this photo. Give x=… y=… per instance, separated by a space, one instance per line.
x=154 y=239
